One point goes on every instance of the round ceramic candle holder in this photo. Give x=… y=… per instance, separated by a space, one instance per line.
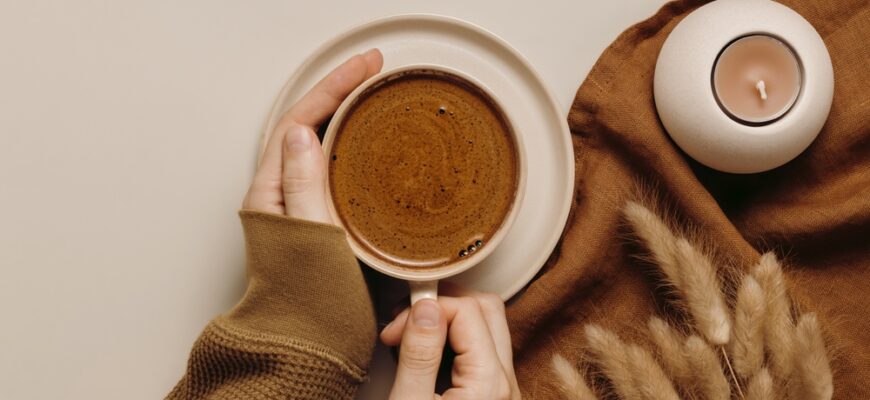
x=687 y=105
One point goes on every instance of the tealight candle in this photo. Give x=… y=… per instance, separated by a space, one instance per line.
x=756 y=79
x=743 y=86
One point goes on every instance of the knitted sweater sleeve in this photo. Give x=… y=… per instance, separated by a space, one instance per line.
x=305 y=328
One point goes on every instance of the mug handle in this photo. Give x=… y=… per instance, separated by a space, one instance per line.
x=423 y=290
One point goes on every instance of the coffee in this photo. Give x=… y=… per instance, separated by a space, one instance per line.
x=423 y=169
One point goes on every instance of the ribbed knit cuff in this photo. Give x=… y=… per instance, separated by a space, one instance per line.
x=229 y=363
x=305 y=284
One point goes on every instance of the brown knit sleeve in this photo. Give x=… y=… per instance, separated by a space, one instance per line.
x=305 y=328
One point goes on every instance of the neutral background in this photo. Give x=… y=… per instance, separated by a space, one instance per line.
x=128 y=135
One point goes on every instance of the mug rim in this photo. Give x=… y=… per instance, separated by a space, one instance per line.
x=441 y=271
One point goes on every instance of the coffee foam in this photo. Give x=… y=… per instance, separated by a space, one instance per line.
x=423 y=169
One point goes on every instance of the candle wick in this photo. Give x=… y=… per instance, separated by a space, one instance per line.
x=760 y=86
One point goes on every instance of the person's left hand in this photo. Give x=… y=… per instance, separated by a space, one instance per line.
x=291 y=176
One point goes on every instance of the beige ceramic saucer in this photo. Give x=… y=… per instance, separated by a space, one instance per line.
x=421 y=39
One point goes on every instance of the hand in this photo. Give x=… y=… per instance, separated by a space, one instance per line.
x=477 y=329
x=291 y=176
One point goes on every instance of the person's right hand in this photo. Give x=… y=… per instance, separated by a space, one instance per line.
x=477 y=329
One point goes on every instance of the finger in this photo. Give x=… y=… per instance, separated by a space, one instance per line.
x=324 y=98
x=303 y=181
x=482 y=370
x=493 y=310
x=391 y=335
x=478 y=372
x=468 y=332
x=311 y=110
x=420 y=353
x=265 y=192
x=494 y=313
x=264 y=198
x=467 y=327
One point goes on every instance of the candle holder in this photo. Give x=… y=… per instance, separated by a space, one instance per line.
x=688 y=104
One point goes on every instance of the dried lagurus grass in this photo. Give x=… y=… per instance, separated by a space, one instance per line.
x=658 y=238
x=711 y=381
x=747 y=344
x=811 y=360
x=778 y=325
x=703 y=293
x=687 y=269
x=670 y=350
x=571 y=381
x=649 y=379
x=760 y=387
x=610 y=353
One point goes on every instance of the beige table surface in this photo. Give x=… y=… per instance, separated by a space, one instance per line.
x=128 y=135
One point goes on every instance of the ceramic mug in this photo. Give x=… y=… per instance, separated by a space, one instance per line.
x=424 y=282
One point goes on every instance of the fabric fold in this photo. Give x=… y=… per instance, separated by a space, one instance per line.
x=813 y=212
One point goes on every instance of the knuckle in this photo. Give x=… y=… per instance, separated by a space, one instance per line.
x=420 y=357
x=262 y=184
x=259 y=198
x=296 y=184
x=479 y=369
x=469 y=303
x=490 y=388
x=491 y=303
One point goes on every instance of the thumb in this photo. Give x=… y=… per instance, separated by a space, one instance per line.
x=303 y=179
x=420 y=352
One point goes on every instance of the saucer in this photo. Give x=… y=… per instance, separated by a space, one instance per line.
x=534 y=112
x=536 y=116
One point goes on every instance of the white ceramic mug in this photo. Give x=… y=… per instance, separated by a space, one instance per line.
x=424 y=282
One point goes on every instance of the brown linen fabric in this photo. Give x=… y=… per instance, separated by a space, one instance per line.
x=813 y=212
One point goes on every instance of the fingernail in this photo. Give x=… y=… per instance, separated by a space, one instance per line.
x=387 y=326
x=298 y=139
x=426 y=313
x=370 y=54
